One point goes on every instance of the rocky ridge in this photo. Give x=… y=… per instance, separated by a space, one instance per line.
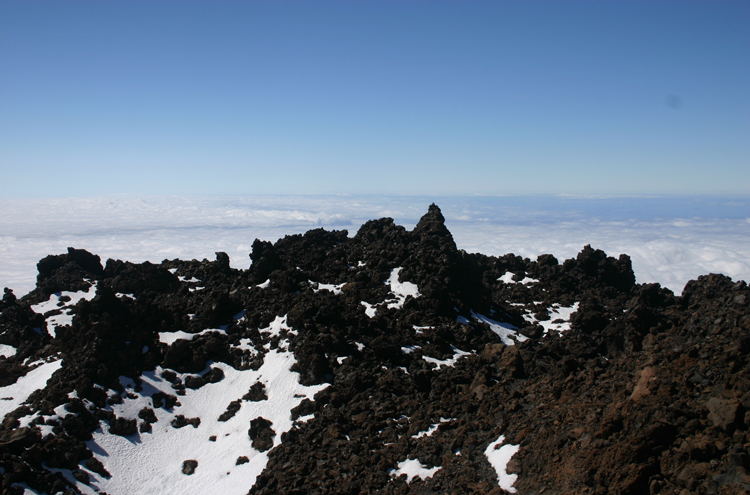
x=402 y=353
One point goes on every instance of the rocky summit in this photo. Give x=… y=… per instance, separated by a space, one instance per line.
x=388 y=362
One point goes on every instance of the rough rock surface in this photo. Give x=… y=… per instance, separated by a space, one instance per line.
x=606 y=386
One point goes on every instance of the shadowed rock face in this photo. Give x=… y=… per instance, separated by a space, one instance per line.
x=609 y=386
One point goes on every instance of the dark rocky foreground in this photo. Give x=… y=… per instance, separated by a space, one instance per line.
x=647 y=392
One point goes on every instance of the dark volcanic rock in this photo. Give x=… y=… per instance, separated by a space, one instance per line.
x=189 y=466
x=123 y=427
x=261 y=434
x=605 y=385
x=256 y=393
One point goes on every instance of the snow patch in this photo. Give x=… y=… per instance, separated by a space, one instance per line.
x=432 y=429
x=507 y=278
x=151 y=463
x=170 y=338
x=54 y=303
x=559 y=318
x=7 y=350
x=14 y=395
x=412 y=468
x=245 y=345
x=400 y=289
x=277 y=325
x=336 y=289
x=499 y=456
x=451 y=362
x=507 y=332
x=370 y=309
x=265 y=284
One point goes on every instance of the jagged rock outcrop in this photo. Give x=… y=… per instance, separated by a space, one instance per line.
x=419 y=352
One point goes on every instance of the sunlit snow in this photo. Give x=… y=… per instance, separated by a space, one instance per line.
x=559 y=318
x=507 y=332
x=336 y=289
x=432 y=429
x=412 y=468
x=7 y=350
x=151 y=463
x=400 y=291
x=499 y=455
x=450 y=362
x=170 y=338
x=507 y=278
x=16 y=394
x=57 y=301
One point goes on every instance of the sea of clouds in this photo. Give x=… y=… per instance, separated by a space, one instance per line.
x=671 y=240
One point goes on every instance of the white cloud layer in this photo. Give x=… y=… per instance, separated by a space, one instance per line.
x=671 y=240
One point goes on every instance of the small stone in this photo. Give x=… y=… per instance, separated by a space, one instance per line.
x=188 y=467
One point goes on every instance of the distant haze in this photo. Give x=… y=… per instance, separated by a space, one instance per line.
x=670 y=239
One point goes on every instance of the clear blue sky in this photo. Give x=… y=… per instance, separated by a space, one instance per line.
x=407 y=97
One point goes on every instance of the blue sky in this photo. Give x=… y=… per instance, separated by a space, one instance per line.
x=408 y=97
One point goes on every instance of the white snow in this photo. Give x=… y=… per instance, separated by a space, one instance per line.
x=432 y=429
x=246 y=345
x=370 y=309
x=336 y=289
x=265 y=284
x=408 y=349
x=450 y=362
x=400 y=289
x=420 y=330
x=412 y=468
x=507 y=278
x=505 y=331
x=16 y=394
x=54 y=302
x=121 y=295
x=7 y=350
x=556 y=312
x=499 y=456
x=360 y=346
x=277 y=325
x=27 y=490
x=170 y=338
x=192 y=280
x=151 y=463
